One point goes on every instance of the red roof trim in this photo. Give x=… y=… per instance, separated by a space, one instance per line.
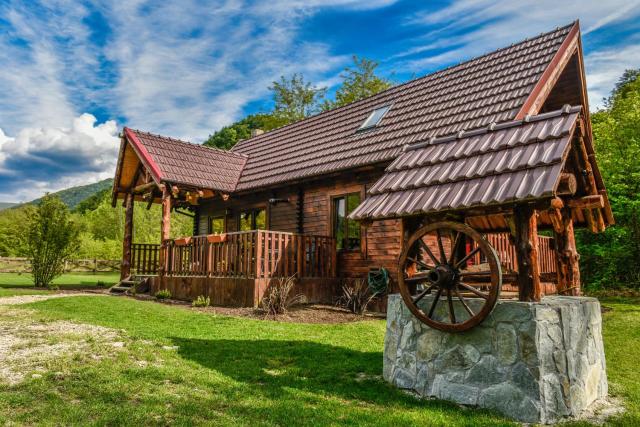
x=144 y=155
x=551 y=73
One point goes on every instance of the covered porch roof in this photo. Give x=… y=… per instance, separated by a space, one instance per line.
x=147 y=162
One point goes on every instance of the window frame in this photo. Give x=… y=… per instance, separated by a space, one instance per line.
x=365 y=127
x=334 y=221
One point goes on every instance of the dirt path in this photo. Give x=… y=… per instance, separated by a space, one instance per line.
x=26 y=299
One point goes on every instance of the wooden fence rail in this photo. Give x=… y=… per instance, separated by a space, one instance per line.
x=251 y=254
x=23 y=265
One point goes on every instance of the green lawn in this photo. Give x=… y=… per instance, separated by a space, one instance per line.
x=66 y=281
x=229 y=371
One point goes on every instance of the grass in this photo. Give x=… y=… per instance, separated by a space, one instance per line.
x=9 y=292
x=65 y=281
x=185 y=367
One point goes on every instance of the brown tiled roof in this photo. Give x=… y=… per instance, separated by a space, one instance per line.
x=180 y=162
x=516 y=160
x=488 y=89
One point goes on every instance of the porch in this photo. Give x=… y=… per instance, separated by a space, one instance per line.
x=236 y=268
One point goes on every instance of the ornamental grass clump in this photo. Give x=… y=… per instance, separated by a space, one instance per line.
x=201 y=301
x=278 y=298
x=163 y=294
x=356 y=296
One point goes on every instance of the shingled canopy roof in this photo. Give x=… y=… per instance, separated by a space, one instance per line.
x=513 y=161
x=179 y=162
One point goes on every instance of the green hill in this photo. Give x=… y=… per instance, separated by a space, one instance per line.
x=74 y=195
x=6 y=205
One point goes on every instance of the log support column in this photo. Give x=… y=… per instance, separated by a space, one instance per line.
x=165 y=229
x=567 y=257
x=526 y=245
x=125 y=267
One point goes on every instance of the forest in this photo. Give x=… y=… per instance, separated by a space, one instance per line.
x=610 y=260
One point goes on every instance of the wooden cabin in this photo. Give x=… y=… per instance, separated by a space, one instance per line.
x=282 y=203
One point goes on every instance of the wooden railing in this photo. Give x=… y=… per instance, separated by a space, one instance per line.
x=145 y=258
x=251 y=254
x=507 y=252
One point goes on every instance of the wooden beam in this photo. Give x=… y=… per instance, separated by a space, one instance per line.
x=125 y=267
x=526 y=245
x=555 y=214
x=143 y=188
x=567 y=267
x=587 y=202
x=567 y=185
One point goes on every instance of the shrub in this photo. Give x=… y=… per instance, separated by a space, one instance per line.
x=201 y=301
x=355 y=296
x=163 y=294
x=51 y=238
x=278 y=298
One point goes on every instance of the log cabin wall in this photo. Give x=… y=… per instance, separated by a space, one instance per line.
x=380 y=241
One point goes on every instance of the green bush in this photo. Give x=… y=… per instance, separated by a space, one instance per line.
x=201 y=301
x=163 y=294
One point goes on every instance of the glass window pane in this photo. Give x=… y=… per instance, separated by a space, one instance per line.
x=353 y=227
x=339 y=215
x=261 y=219
x=245 y=221
x=375 y=117
x=217 y=225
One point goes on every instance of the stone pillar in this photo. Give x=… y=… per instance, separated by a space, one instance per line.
x=533 y=362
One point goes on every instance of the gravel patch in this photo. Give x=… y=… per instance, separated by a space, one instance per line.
x=26 y=299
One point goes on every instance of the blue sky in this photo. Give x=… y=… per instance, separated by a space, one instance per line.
x=73 y=72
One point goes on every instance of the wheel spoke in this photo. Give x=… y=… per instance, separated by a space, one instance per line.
x=464 y=304
x=420 y=263
x=473 y=290
x=441 y=247
x=452 y=314
x=422 y=294
x=434 y=303
x=467 y=256
x=417 y=278
x=454 y=247
x=428 y=251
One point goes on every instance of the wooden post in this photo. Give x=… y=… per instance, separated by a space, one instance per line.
x=165 y=228
x=567 y=257
x=526 y=244
x=125 y=267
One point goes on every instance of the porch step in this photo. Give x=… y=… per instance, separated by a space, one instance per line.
x=126 y=285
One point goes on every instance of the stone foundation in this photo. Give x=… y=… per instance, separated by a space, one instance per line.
x=534 y=362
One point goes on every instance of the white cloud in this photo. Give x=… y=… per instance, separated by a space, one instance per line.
x=605 y=68
x=44 y=159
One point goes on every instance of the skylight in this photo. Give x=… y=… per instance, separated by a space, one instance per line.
x=375 y=117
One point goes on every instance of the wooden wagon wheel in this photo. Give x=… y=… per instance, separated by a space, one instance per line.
x=449 y=276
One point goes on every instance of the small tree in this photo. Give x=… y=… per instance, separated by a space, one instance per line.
x=51 y=238
x=295 y=98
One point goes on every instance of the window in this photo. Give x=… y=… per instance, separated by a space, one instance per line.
x=346 y=231
x=216 y=225
x=375 y=117
x=253 y=219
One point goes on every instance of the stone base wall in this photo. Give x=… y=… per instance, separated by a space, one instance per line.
x=534 y=362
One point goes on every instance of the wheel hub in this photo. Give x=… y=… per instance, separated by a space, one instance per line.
x=443 y=276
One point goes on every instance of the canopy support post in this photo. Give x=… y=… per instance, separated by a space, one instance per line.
x=567 y=257
x=165 y=229
x=526 y=244
x=125 y=267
